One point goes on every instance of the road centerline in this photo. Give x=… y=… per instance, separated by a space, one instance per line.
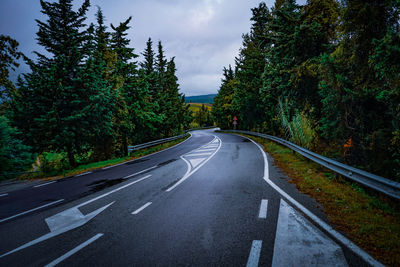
x=31 y=210
x=142 y=208
x=52 y=182
x=137 y=173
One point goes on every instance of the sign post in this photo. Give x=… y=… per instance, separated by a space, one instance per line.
x=234 y=122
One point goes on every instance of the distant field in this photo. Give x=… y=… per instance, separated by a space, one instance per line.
x=196 y=106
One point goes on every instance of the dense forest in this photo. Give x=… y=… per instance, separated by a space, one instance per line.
x=87 y=96
x=325 y=75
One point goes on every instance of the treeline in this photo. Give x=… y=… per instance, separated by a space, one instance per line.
x=324 y=75
x=87 y=94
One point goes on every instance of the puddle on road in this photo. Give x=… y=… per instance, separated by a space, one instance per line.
x=137 y=161
x=167 y=162
x=102 y=184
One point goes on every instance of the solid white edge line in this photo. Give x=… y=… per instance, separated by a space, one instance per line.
x=74 y=250
x=141 y=208
x=189 y=172
x=339 y=237
x=3 y=195
x=112 y=191
x=263 y=209
x=82 y=174
x=111 y=166
x=28 y=211
x=45 y=184
x=136 y=173
x=254 y=255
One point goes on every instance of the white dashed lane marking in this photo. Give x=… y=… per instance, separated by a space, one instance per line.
x=254 y=256
x=263 y=209
x=141 y=208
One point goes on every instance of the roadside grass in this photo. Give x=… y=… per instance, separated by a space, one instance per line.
x=101 y=164
x=368 y=218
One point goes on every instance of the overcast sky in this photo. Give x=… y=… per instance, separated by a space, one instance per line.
x=203 y=35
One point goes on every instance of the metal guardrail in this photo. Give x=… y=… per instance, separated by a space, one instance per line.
x=381 y=184
x=161 y=141
x=156 y=142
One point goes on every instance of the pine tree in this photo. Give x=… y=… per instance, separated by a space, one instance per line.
x=14 y=156
x=64 y=113
x=222 y=109
x=161 y=63
x=281 y=56
x=124 y=75
x=9 y=55
x=174 y=106
x=148 y=54
x=97 y=75
x=250 y=66
x=137 y=118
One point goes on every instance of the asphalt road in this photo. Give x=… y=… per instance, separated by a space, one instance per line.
x=213 y=200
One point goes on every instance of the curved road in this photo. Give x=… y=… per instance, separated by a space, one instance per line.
x=215 y=199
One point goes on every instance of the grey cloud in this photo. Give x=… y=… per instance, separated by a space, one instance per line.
x=203 y=35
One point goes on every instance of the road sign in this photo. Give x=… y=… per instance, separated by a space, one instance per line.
x=235 y=118
x=234 y=122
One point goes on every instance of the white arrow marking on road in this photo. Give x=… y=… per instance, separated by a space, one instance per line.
x=61 y=223
x=300 y=243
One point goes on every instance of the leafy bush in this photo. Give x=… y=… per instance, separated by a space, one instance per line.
x=52 y=163
x=14 y=156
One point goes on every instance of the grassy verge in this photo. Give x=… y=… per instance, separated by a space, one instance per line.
x=369 y=219
x=101 y=164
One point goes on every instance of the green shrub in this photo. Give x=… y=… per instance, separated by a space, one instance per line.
x=298 y=128
x=53 y=163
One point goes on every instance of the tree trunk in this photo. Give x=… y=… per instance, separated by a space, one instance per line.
x=71 y=157
x=124 y=146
